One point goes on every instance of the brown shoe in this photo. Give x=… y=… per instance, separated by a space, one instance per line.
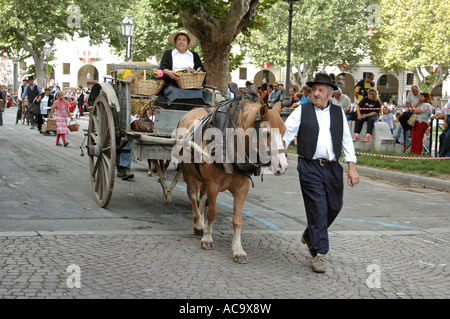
x=308 y=245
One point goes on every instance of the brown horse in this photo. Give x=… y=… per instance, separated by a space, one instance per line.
x=205 y=179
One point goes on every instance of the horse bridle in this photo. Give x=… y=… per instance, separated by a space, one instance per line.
x=257 y=127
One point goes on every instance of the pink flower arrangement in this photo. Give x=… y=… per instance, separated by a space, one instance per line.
x=157 y=75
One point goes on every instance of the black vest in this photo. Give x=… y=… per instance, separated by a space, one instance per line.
x=31 y=94
x=308 y=131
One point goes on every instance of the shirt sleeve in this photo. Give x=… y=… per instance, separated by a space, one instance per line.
x=347 y=104
x=347 y=142
x=166 y=60
x=377 y=107
x=292 y=124
x=24 y=94
x=198 y=62
x=447 y=108
x=358 y=86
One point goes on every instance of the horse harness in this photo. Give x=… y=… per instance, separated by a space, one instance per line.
x=224 y=116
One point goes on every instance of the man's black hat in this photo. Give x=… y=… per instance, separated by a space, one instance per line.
x=322 y=78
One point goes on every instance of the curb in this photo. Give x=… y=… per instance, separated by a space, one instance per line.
x=397 y=177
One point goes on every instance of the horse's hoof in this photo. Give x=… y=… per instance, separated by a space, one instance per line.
x=241 y=259
x=207 y=245
x=198 y=232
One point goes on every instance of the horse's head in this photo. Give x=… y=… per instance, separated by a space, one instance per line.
x=270 y=128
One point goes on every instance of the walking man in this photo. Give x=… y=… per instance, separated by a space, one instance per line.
x=322 y=132
x=31 y=91
x=21 y=106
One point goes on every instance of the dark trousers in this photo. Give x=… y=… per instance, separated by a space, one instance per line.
x=19 y=113
x=370 y=124
x=444 y=144
x=322 y=188
x=39 y=121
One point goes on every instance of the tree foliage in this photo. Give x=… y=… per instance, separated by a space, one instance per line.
x=413 y=37
x=151 y=31
x=26 y=25
x=324 y=32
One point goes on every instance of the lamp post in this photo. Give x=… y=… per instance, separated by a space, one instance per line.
x=127 y=26
x=47 y=53
x=286 y=97
x=15 y=59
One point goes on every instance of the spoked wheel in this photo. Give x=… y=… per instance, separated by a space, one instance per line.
x=101 y=146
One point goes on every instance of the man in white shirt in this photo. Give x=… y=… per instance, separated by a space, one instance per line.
x=322 y=132
x=343 y=101
x=411 y=99
x=413 y=96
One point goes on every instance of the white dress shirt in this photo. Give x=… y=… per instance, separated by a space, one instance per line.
x=181 y=61
x=44 y=104
x=324 y=147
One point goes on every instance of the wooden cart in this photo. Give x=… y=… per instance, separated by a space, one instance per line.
x=109 y=125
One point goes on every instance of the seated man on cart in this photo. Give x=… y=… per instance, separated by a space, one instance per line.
x=180 y=59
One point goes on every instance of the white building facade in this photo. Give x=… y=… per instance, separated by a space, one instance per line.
x=78 y=63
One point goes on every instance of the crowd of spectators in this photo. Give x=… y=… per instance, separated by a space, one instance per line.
x=371 y=109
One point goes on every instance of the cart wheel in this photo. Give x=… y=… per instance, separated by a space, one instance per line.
x=101 y=147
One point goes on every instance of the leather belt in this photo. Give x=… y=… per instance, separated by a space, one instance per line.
x=322 y=161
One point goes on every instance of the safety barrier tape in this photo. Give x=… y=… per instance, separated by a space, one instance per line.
x=403 y=157
x=380 y=108
x=395 y=108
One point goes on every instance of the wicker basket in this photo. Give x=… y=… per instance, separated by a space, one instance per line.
x=146 y=87
x=51 y=124
x=191 y=80
x=73 y=127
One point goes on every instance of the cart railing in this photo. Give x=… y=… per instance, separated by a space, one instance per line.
x=132 y=66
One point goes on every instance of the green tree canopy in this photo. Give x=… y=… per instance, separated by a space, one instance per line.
x=324 y=32
x=413 y=35
x=26 y=25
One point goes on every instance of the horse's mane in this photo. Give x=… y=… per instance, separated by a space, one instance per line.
x=250 y=111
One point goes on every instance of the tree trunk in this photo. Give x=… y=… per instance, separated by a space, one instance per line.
x=38 y=62
x=216 y=58
x=304 y=74
x=216 y=36
x=40 y=72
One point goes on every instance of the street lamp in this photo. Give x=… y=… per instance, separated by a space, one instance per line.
x=15 y=59
x=47 y=53
x=127 y=26
x=286 y=97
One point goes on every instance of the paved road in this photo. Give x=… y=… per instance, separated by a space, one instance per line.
x=390 y=241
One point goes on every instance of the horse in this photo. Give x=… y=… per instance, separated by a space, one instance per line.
x=206 y=179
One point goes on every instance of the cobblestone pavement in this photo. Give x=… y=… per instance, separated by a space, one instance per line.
x=400 y=264
x=397 y=249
